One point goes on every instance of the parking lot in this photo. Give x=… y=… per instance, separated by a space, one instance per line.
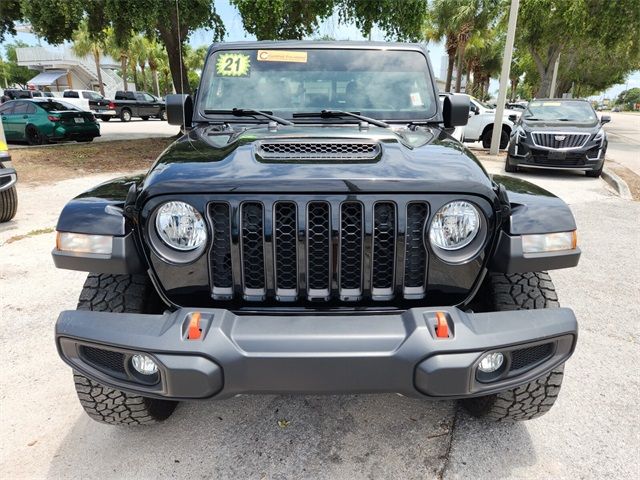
x=592 y=432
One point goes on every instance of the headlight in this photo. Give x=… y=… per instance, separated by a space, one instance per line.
x=454 y=226
x=181 y=226
x=599 y=136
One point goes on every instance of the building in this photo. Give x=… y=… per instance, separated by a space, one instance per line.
x=60 y=69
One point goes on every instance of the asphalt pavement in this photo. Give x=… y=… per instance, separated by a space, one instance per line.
x=592 y=431
x=624 y=139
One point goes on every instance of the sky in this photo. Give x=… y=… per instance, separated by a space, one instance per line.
x=333 y=28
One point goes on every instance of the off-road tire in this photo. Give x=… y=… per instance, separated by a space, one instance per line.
x=486 y=138
x=125 y=115
x=121 y=294
x=519 y=291
x=8 y=204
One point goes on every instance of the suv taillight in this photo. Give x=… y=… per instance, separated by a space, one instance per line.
x=53 y=118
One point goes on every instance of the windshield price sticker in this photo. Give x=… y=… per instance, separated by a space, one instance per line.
x=233 y=65
x=281 y=56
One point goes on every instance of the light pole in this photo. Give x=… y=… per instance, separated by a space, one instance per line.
x=504 y=77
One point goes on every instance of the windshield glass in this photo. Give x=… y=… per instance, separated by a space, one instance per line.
x=482 y=104
x=92 y=95
x=380 y=84
x=54 y=106
x=560 y=111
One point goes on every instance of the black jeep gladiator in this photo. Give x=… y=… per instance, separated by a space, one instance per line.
x=316 y=230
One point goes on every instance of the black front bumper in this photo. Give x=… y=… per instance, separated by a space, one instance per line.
x=524 y=154
x=398 y=353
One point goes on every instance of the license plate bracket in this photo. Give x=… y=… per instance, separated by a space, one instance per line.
x=557 y=155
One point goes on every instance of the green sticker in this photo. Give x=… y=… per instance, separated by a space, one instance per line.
x=233 y=65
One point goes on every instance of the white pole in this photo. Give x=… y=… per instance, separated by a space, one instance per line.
x=554 y=77
x=504 y=77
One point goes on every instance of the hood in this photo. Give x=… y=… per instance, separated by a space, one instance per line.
x=555 y=126
x=421 y=160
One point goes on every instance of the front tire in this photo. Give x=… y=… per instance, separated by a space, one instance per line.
x=486 y=138
x=122 y=294
x=163 y=115
x=8 y=204
x=521 y=291
x=595 y=173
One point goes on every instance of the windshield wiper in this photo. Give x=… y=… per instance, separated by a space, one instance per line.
x=249 y=112
x=339 y=114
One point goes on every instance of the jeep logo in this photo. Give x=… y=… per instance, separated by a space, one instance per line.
x=560 y=138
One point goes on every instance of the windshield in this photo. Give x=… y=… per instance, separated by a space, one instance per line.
x=376 y=83
x=482 y=104
x=54 y=106
x=92 y=95
x=560 y=111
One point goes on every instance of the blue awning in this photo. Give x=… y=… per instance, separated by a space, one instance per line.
x=46 y=78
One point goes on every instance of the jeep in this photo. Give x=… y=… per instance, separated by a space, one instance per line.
x=316 y=230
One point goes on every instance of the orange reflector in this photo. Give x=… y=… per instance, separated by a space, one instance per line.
x=574 y=240
x=442 y=326
x=194 y=331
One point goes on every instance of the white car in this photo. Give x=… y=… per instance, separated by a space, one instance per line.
x=480 y=125
x=90 y=101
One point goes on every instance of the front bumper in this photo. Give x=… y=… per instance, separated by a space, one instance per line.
x=398 y=353
x=524 y=154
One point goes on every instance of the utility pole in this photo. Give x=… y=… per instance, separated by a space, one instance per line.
x=554 y=77
x=504 y=77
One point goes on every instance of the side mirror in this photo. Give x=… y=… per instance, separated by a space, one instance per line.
x=513 y=118
x=605 y=119
x=455 y=110
x=179 y=110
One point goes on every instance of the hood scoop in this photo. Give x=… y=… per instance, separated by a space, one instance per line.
x=301 y=151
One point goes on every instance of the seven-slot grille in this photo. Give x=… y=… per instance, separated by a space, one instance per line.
x=559 y=140
x=317 y=249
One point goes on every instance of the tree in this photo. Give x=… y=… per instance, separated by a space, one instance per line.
x=282 y=19
x=85 y=44
x=14 y=73
x=10 y=12
x=440 y=26
x=401 y=20
x=548 y=28
x=138 y=56
x=120 y=51
x=155 y=54
x=629 y=98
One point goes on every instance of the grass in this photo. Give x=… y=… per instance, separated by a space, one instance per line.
x=32 y=233
x=47 y=164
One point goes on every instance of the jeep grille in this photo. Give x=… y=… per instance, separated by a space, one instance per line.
x=318 y=250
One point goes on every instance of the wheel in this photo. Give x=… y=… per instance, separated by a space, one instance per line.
x=8 y=204
x=520 y=291
x=145 y=117
x=105 y=118
x=594 y=173
x=35 y=136
x=119 y=293
x=125 y=115
x=486 y=138
x=163 y=115
x=508 y=167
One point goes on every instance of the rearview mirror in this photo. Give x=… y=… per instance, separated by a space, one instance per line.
x=179 y=110
x=455 y=110
x=605 y=119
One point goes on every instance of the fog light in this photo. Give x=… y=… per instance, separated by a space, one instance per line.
x=144 y=364
x=491 y=362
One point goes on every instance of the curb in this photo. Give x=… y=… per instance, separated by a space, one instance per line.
x=619 y=185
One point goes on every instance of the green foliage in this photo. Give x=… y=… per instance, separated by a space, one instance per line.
x=401 y=20
x=10 y=12
x=10 y=71
x=282 y=19
x=54 y=20
x=629 y=98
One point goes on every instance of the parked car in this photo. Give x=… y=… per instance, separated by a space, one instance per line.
x=480 y=126
x=139 y=104
x=285 y=246
x=8 y=179
x=91 y=101
x=559 y=133
x=16 y=93
x=39 y=121
x=516 y=105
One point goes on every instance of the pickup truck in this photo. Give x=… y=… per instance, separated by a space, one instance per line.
x=91 y=101
x=139 y=104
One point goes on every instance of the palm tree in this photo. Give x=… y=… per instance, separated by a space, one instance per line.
x=155 y=54
x=121 y=52
x=441 y=27
x=85 y=43
x=138 y=55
